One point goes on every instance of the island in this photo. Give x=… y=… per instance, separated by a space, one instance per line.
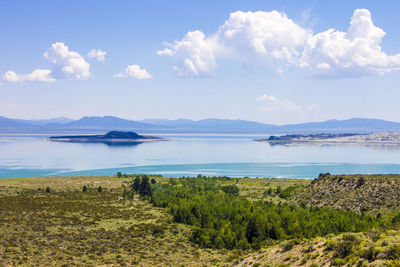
x=378 y=138
x=113 y=137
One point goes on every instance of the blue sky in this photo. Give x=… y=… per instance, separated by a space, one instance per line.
x=268 y=61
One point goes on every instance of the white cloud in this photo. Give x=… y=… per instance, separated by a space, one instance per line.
x=67 y=65
x=37 y=75
x=269 y=34
x=134 y=71
x=98 y=54
x=273 y=39
x=354 y=53
x=193 y=55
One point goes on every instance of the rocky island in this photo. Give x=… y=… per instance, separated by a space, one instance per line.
x=378 y=138
x=113 y=137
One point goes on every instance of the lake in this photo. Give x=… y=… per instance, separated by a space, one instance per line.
x=189 y=155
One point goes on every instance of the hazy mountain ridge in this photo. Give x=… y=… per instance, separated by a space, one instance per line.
x=107 y=123
x=60 y=120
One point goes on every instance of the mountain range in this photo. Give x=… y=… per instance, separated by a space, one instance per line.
x=107 y=123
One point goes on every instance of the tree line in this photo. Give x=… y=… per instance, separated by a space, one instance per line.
x=224 y=219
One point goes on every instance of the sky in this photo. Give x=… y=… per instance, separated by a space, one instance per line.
x=269 y=61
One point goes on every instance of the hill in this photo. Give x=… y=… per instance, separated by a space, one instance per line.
x=360 y=193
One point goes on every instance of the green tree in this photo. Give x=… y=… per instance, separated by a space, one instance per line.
x=145 y=188
x=136 y=184
x=231 y=189
x=278 y=190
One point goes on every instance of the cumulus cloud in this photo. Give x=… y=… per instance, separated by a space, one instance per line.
x=357 y=52
x=134 y=71
x=66 y=65
x=193 y=55
x=98 y=54
x=269 y=34
x=273 y=39
x=37 y=75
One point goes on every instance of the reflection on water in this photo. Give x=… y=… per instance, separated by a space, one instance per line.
x=192 y=154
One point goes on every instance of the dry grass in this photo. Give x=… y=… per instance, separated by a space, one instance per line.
x=70 y=227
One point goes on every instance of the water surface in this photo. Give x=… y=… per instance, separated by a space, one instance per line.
x=188 y=155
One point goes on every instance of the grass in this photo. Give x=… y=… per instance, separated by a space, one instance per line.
x=68 y=227
x=255 y=188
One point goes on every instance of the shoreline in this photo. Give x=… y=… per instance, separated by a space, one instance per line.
x=377 y=138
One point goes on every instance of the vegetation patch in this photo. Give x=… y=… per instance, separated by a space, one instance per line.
x=360 y=193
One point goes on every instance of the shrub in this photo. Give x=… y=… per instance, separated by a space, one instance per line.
x=373 y=234
x=393 y=251
x=231 y=189
x=289 y=191
x=360 y=182
x=84 y=189
x=396 y=218
x=47 y=189
x=287 y=245
x=278 y=190
x=345 y=247
x=243 y=244
x=99 y=189
x=369 y=252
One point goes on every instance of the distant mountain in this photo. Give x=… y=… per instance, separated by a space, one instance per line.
x=10 y=125
x=103 y=123
x=356 y=125
x=83 y=125
x=108 y=123
x=170 y=123
x=45 y=121
x=212 y=125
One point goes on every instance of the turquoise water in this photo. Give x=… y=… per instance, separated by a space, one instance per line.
x=189 y=155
